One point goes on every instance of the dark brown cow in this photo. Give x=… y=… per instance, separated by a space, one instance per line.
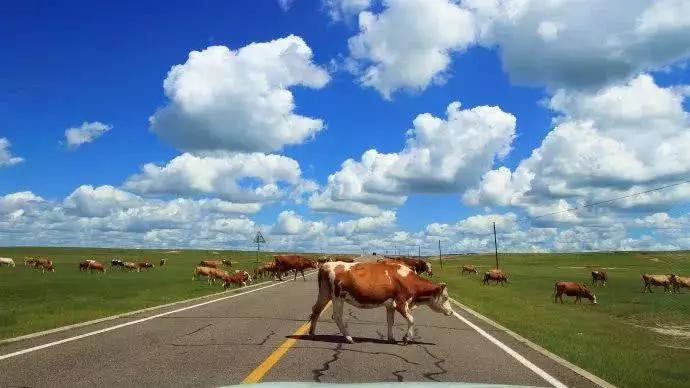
x=679 y=282
x=84 y=265
x=368 y=285
x=469 y=269
x=656 y=281
x=210 y=263
x=578 y=290
x=418 y=265
x=162 y=262
x=495 y=275
x=600 y=277
x=240 y=278
x=285 y=263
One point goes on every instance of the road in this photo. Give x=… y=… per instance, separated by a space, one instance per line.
x=222 y=342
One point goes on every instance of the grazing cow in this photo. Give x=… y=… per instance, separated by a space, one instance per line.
x=203 y=271
x=469 y=269
x=161 y=263
x=419 y=266
x=227 y=263
x=94 y=265
x=145 y=264
x=656 y=281
x=285 y=263
x=367 y=285
x=117 y=263
x=240 y=278
x=44 y=265
x=210 y=263
x=84 y=265
x=600 y=277
x=680 y=281
x=129 y=266
x=578 y=290
x=30 y=262
x=6 y=261
x=495 y=275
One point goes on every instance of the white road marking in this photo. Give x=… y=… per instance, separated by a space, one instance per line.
x=522 y=360
x=107 y=329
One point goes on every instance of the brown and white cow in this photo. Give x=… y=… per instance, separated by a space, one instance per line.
x=96 y=266
x=297 y=263
x=210 y=263
x=656 y=281
x=203 y=271
x=578 y=290
x=419 y=266
x=469 y=268
x=368 y=285
x=44 y=265
x=600 y=277
x=6 y=261
x=679 y=282
x=129 y=266
x=240 y=278
x=145 y=264
x=226 y=263
x=495 y=275
x=30 y=262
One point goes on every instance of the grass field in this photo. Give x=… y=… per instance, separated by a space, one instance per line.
x=31 y=301
x=630 y=339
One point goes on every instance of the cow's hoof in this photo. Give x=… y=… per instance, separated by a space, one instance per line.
x=349 y=340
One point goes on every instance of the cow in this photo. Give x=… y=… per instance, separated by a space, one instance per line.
x=94 y=265
x=368 y=285
x=240 y=278
x=578 y=290
x=216 y=274
x=600 y=277
x=285 y=263
x=145 y=264
x=265 y=269
x=656 y=281
x=7 y=261
x=161 y=263
x=203 y=271
x=84 y=265
x=129 y=266
x=227 y=263
x=30 y=262
x=679 y=281
x=117 y=263
x=210 y=263
x=469 y=269
x=44 y=265
x=419 y=266
x=495 y=275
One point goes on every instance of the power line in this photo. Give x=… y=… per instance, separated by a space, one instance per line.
x=608 y=200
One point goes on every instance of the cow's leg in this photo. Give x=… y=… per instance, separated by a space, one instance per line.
x=404 y=310
x=303 y=278
x=390 y=319
x=338 y=317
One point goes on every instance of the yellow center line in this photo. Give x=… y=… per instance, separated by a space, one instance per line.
x=261 y=370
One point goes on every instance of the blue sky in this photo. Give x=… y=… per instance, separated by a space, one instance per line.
x=372 y=67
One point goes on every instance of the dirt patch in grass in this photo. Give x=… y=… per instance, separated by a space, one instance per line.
x=669 y=330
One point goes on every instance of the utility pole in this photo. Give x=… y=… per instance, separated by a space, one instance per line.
x=496 y=245
x=419 y=251
x=259 y=239
x=440 y=258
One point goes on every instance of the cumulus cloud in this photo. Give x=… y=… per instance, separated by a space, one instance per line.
x=408 y=45
x=614 y=142
x=239 y=100
x=86 y=133
x=440 y=156
x=291 y=223
x=385 y=220
x=345 y=9
x=583 y=44
x=6 y=157
x=239 y=177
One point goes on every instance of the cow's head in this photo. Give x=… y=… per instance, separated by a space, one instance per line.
x=590 y=295
x=440 y=302
x=428 y=268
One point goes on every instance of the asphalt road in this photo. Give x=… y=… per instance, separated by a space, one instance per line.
x=221 y=343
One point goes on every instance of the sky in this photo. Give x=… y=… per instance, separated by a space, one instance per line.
x=346 y=125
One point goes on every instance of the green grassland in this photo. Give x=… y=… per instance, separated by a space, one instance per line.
x=31 y=301
x=629 y=338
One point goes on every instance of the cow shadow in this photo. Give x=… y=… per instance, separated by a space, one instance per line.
x=339 y=339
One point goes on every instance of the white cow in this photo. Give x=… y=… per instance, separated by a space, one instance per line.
x=6 y=261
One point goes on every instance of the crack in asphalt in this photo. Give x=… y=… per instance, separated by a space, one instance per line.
x=267 y=337
x=438 y=362
x=341 y=349
x=198 y=330
x=318 y=373
x=260 y=343
x=398 y=375
x=352 y=315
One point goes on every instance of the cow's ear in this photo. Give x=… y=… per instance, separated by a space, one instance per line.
x=443 y=286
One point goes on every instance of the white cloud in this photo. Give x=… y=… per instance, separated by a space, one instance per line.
x=385 y=220
x=408 y=45
x=345 y=9
x=88 y=201
x=617 y=141
x=221 y=175
x=239 y=100
x=285 y=4
x=6 y=157
x=86 y=133
x=16 y=201
x=440 y=156
x=291 y=223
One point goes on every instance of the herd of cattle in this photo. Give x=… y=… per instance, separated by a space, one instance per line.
x=211 y=269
